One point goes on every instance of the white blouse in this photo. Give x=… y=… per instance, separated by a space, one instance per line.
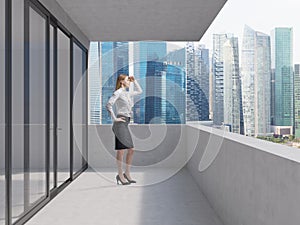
x=123 y=101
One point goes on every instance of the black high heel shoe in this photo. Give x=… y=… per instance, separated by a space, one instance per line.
x=119 y=179
x=130 y=181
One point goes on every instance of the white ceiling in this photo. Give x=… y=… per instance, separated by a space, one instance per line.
x=136 y=20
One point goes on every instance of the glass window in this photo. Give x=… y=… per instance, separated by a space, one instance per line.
x=2 y=112
x=51 y=107
x=17 y=109
x=37 y=106
x=63 y=107
x=84 y=106
x=78 y=107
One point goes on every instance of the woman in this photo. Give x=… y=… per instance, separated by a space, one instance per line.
x=123 y=101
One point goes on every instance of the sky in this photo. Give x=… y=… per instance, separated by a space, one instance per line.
x=260 y=15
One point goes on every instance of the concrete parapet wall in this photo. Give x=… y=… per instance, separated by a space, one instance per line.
x=250 y=181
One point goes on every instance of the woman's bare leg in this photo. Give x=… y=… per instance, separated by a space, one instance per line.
x=119 y=159
x=129 y=157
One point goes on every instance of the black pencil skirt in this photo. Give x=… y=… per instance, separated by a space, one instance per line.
x=123 y=139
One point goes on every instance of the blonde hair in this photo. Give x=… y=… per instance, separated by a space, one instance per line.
x=121 y=77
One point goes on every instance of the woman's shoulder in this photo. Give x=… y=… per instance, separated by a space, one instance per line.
x=119 y=91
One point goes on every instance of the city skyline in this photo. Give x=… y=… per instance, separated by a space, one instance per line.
x=243 y=97
x=236 y=14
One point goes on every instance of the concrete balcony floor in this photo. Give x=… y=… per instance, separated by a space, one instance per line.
x=95 y=198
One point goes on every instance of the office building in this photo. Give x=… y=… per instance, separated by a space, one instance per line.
x=282 y=62
x=256 y=82
x=232 y=85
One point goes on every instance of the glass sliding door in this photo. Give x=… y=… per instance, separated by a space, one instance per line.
x=2 y=112
x=40 y=115
x=84 y=108
x=28 y=108
x=63 y=107
x=37 y=107
x=78 y=108
x=17 y=109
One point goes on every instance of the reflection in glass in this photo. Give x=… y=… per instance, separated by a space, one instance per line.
x=2 y=112
x=63 y=107
x=37 y=107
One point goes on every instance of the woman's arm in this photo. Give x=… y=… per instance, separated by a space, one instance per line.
x=138 y=90
x=111 y=102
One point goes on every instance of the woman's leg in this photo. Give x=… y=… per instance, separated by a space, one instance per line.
x=129 y=157
x=119 y=159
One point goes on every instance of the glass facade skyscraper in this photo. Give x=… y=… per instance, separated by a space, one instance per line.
x=282 y=62
x=121 y=58
x=94 y=83
x=256 y=82
x=108 y=74
x=149 y=69
x=272 y=96
x=197 y=82
x=107 y=61
x=297 y=99
x=247 y=76
x=232 y=85
x=156 y=72
x=202 y=71
x=191 y=109
x=218 y=77
x=174 y=86
x=262 y=85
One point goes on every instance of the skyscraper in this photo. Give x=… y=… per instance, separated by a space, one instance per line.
x=232 y=91
x=156 y=72
x=256 y=82
x=202 y=54
x=108 y=77
x=191 y=109
x=272 y=96
x=121 y=58
x=149 y=68
x=197 y=63
x=107 y=61
x=174 y=85
x=297 y=99
x=218 y=77
x=94 y=83
x=262 y=78
x=282 y=62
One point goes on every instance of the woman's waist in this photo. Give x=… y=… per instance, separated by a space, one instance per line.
x=125 y=115
x=123 y=111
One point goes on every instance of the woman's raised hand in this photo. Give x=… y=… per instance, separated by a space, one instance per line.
x=131 y=78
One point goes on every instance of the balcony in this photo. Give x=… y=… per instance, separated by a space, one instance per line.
x=187 y=174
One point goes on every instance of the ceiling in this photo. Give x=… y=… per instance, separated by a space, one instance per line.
x=137 y=20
